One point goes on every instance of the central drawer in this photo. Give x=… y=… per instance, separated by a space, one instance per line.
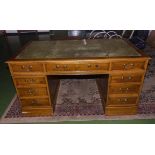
x=124 y=88
x=32 y=91
x=66 y=66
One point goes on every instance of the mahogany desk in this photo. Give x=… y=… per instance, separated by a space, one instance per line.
x=124 y=65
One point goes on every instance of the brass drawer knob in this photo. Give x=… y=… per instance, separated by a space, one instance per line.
x=119 y=99
x=57 y=66
x=127 y=89
x=125 y=66
x=22 y=67
x=96 y=66
x=122 y=100
x=32 y=80
x=34 y=102
x=65 y=66
x=29 y=80
x=121 y=89
x=125 y=99
x=29 y=68
x=26 y=68
x=31 y=92
x=89 y=65
x=129 y=77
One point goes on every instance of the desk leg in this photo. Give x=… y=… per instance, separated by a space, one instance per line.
x=102 y=84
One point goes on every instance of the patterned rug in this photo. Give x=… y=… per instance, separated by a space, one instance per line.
x=79 y=99
x=147 y=98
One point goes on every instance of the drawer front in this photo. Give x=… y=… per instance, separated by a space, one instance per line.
x=124 y=88
x=126 y=78
x=35 y=102
x=112 y=111
x=125 y=65
x=56 y=67
x=27 y=67
x=29 y=80
x=50 y=67
x=30 y=111
x=122 y=101
x=30 y=92
x=94 y=67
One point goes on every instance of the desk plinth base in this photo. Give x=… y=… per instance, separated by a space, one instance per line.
x=34 y=112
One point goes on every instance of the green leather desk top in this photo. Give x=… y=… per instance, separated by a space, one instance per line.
x=98 y=48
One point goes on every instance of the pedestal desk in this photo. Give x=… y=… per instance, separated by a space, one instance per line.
x=123 y=65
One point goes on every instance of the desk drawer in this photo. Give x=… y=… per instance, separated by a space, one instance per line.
x=126 y=78
x=56 y=67
x=130 y=110
x=29 y=80
x=122 y=101
x=31 y=91
x=94 y=67
x=27 y=67
x=124 y=88
x=37 y=111
x=35 y=102
x=128 y=65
